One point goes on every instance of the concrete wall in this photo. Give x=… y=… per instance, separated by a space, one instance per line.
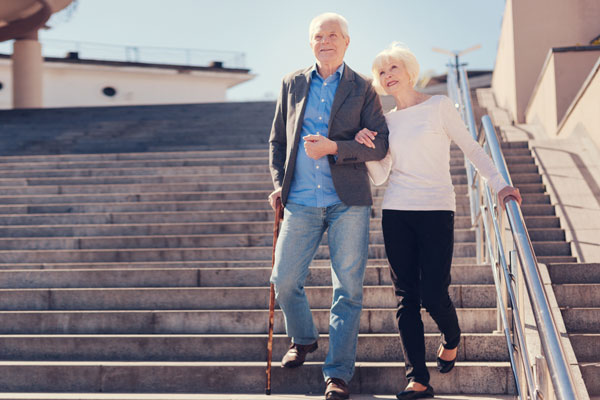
x=73 y=85
x=503 y=79
x=558 y=85
x=572 y=69
x=542 y=108
x=532 y=28
x=584 y=117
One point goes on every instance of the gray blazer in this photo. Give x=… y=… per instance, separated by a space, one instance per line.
x=355 y=106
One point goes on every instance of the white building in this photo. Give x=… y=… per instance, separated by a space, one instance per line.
x=73 y=82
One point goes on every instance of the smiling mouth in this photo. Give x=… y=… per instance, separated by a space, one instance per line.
x=391 y=83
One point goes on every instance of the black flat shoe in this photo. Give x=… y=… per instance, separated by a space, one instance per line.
x=415 y=394
x=445 y=366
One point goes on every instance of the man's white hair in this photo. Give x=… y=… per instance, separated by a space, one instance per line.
x=329 y=16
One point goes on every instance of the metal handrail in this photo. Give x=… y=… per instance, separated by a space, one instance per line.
x=484 y=209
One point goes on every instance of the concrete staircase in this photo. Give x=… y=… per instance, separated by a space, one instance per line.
x=547 y=237
x=148 y=272
x=135 y=128
x=577 y=290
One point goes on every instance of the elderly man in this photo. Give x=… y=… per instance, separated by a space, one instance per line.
x=319 y=173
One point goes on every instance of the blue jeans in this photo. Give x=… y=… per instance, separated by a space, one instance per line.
x=348 y=235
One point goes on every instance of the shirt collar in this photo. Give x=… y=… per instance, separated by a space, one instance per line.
x=339 y=72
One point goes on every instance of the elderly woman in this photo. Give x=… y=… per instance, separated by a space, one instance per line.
x=418 y=208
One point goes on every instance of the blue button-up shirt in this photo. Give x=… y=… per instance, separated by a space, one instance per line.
x=312 y=184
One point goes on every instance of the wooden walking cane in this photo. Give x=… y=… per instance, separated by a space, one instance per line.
x=278 y=218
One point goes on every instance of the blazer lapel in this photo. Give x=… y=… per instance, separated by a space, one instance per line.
x=302 y=85
x=343 y=90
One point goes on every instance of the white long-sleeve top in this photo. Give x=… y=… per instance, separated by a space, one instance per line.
x=418 y=160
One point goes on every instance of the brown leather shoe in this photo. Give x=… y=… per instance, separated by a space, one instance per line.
x=336 y=389
x=296 y=355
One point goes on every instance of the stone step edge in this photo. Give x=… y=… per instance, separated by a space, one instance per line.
x=460 y=189
x=205 y=288
x=170 y=236
x=108 y=158
x=461 y=201
x=368 y=364
x=144 y=155
x=219 y=396
x=246 y=311
x=373 y=246
x=217 y=336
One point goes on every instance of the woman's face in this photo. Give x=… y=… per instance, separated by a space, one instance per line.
x=394 y=77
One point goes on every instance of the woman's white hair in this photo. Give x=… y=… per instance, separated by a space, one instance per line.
x=394 y=53
x=329 y=16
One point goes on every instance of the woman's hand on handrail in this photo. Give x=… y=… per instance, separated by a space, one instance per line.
x=509 y=193
x=366 y=137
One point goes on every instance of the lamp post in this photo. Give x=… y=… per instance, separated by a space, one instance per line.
x=456 y=55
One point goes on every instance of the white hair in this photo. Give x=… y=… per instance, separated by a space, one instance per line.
x=329 y=16
x=396 y=52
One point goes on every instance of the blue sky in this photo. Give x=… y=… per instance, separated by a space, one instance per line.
x=273 y=34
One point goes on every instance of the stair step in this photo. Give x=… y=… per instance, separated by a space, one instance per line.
x=184 y=160
x=538 y=209
x=586 y=346
x=152 y=171
x=523 y=168
x=180 y=254
x=591 y=377
x=202 y=277
x=250 y=173
x=137 y=217
x=525 y=178
x=371 y=347
x=204 y=264
x=139 y=197
x=522 y=144
x=552 y=248
x=538 y=222
x=536 y=198
x=577 y=295
x=516 y=151
x=138 y=180
x=516 y=160
x=547 y=234
x=185 y=227
x=137 y=188
x=581 y=319
x=462 y=207
x=556 y=259
x=175 y=155
x=209 y=396
x=172 y=241
x=158 y=163
x=575 y=273
x=380 y=320
x=220 y=298
x=525 y=188
x=237 y=377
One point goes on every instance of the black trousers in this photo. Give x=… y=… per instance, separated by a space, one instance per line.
x=419 y=246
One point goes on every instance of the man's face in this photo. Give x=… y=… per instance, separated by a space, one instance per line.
x=328 y=43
